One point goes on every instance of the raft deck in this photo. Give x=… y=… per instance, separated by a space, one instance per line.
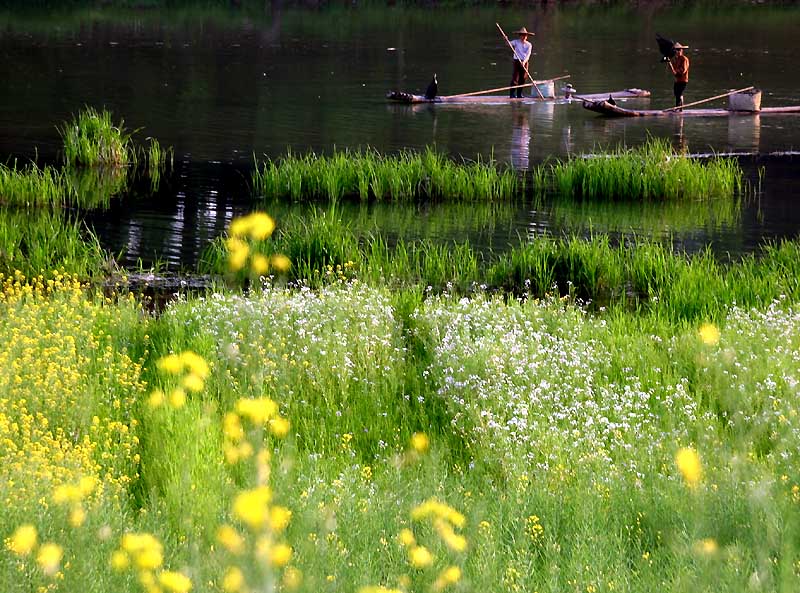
x=605 y=108
x=402 y=97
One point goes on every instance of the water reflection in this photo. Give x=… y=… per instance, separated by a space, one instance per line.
x=744 y=132
x=520 y=137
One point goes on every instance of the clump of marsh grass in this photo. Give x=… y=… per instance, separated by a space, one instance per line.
x=369 y=175
x=652 y=171
x=157 y=158
x=92 y=138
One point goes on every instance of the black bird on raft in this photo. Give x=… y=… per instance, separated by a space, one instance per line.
x=611 y=100
x=666 y=47
x=433 y=88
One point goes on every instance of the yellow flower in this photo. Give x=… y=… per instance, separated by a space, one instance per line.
x=49 y=558
x=77 y=516
x=238 y=257
x=279 y=518
x=709 y=334
x=449 y=576
x=433 y=508
x=233 y=581
x=453 y=540
x=378 y=589
x=156 y=398
x=259 y=410
x=281 y=263
x=195 y=363
x=119 y=560
x=252 y=506
x=280 y=555
x=171 y=363
x=230 y=539
x=146 y=550
x=706 y=547
x=420 y=442
x=232 y=427
x=420 y=557
x=279 y=427
x=177 y=398
x=193 y=383
x=259 y=265
x=688 y=463
x=406 y=537
x=175 y=581
x=23 y=541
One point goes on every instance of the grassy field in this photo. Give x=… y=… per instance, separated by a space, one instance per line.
x=372 y=434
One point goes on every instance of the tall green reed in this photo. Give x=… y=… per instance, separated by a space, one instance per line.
x=91 y=138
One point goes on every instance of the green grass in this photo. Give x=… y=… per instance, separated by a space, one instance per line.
x=42 y=241
x=92 y=139
x=369 y=175
x=31 y=185
x=652 y=171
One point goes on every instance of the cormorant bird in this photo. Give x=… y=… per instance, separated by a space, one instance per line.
x=611 y=100
x=666 y=47
x=433 y=88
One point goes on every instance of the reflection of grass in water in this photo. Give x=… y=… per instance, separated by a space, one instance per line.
x=368 y=174
x=650 y=218
x=156 y=158
x=434 y=220
x=94 y=187
x=38 y=241
x=31 y=185
x=652 y=171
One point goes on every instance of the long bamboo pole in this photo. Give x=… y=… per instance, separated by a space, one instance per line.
x=503 y=33
x=507 y=88
x=709 y=99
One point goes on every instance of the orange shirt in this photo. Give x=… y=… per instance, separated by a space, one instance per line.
x=680 y=67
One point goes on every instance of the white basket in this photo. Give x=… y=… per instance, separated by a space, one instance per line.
x=745 y=101
x=548 y=89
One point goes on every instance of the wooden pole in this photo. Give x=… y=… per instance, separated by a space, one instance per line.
x=541 y=96
x=709 y=99
x=506 y=88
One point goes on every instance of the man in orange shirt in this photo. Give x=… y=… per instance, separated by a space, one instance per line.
x=679 y=64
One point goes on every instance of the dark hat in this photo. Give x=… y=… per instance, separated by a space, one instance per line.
x=523 y=31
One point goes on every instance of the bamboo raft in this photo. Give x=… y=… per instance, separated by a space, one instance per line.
x=402 y=97
x=603 y=107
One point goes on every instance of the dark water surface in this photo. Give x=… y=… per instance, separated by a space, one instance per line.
x=221 y=86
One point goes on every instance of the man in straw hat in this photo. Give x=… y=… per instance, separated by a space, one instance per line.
x=679 y=65
x=522 y=54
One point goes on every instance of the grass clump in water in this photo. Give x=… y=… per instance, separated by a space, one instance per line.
x=92 y=138
x=370 y=175
x=653 y=171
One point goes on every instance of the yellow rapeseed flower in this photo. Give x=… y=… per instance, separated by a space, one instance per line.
x=378 y=589
x=259 y=264
x=688 y=463
x=420 y=442
x=251 y=507
x=230 y=539
x=406 y=537
x=177 y=398
x=709 y=334
x=434 y=508
x=706 y=547
x=279 y=555
x=171 y=363
x=49 y=558
x=279 y=427
x=77 y=516
x=195 y=364
x=258 y=410
x=120 y=560
x=449 y=576
x=420 y=557
x=233 y=581
x=193 y=383
x=156 y=398
x=23 y=540
x=175 y=582
x=453 y=540
x=292 y=578
x=281 y=263
x=279 y=518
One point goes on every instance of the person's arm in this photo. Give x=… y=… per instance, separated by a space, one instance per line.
x=528 y=55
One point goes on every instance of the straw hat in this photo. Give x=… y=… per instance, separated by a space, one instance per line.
x=523 y=31
x=679 y=45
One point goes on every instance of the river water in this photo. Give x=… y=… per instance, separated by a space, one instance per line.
x=221 y=86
